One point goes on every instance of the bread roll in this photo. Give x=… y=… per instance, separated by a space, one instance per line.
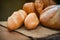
x=51 y=18
x=16 y=19
x=48 y=3
x=29 y=7
x=42 y=4
x=31 y=21
x=52 y=2
x=39 y=6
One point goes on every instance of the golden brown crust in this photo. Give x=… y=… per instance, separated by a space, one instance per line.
x=42 y=4
x=51 y=18
x=48 y=3
x=16 y=19
x=47 y=8
x=29 y=7
x=39 y=6
x=52 y=2
x=31 y=21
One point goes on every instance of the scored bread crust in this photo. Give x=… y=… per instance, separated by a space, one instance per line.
x=16 y=19
x=51 y=18
x=47 y=8
x=31 y=21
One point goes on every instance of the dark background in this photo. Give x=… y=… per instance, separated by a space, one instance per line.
x=7 y=7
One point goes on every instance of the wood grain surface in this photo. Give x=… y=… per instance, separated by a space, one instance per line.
x=6 y=35
x=39 y=32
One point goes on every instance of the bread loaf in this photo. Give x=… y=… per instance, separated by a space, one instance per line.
x=47 y=8
x=51 y=17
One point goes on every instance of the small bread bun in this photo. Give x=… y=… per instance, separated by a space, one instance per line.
x=52 y=2
x=51 y=17
x=48 y=3
x=39 y=6
x=16 y=19
x=31 y=21
x=42 y=4
x=29 y=7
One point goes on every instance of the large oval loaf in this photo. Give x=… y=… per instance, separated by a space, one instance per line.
x=51 y=17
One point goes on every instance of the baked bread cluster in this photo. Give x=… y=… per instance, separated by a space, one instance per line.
x=44 y=12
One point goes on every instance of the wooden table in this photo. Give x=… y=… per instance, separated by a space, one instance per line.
x=19 y=34
x=6 y=35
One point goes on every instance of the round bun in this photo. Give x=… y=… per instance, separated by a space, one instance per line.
x=31 y=21
x=39 y=6
x=29 y=7
x=42 y=4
